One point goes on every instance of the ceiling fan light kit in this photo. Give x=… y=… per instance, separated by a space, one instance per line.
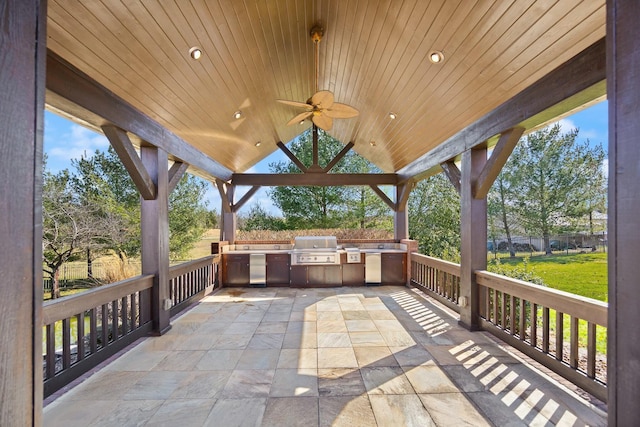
x=320 y=108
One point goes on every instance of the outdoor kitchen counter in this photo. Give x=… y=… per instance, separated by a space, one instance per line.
x=281 y=272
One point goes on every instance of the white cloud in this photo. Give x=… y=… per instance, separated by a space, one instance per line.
x=566 y=125
x=78 y=142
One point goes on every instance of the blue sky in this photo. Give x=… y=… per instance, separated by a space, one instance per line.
x=65 y=140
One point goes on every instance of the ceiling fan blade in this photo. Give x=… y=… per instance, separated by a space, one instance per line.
x=322 y=99
x=295 y=104
x=300 y=117
x=341 y=111
x=323 y=121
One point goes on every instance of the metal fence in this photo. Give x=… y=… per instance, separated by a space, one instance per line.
x=76 y=271
x=534 y=245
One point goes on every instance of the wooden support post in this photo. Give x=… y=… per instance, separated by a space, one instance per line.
x=623 y=92
x=155 y=235
x=22 y=88
x=229 y=217
x=473 y=234
x=401 y=213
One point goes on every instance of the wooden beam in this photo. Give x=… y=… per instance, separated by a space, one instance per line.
x=453 y=173
x=404 y=190
x=226 y=203
x=494 y=165
x=292 y=157
x=314 y=179
x=75 y=93
x=576 y=82
x=339 y=157
x=133 y=164
x=383 y=196
x=237 y=206
x=623 y=345
x=176 y=172
x=22 y=85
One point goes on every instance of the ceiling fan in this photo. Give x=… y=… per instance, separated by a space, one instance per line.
x=321 y=107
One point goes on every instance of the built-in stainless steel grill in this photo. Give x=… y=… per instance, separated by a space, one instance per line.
x=315 y=250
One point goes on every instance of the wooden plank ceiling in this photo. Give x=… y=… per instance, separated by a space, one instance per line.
x=374 y=56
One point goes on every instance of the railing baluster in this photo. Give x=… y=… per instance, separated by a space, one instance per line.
x=105 y=325
x=534 y=325
x=114 y=320
x=573 y=348
x=559 y=334
x=523 y=320
x=495 y=308
x=51 y=350
x=93 y=336
x=66 y=343
x=123 y=316
x=512 y=314
x=546 y=326
x=80 y=335
x=591 y=350
x=503 y=309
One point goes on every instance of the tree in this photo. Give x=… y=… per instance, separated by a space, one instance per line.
x=327 y=207
x=434 y=218
x=103 y=180
x=187 y=215
x=552 y=173
x=67 y=225
x=259 y=219
x=499 y=207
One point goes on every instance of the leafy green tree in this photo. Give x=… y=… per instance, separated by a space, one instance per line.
x=434 y=218
x=187 y=215
x=67 y=225
x=327 y=207
x=102 y=180
x=552 y=173
x=259 y=219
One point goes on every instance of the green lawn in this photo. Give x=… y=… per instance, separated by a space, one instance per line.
x=581 y=274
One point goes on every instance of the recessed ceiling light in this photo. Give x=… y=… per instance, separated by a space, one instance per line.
x=237 y=114
x=195 y=53
x=436 y=56
x=258 y=144
x=393 y=115
x=301 y=122
x=372 y=143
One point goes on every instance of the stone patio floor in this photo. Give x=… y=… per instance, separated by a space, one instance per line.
x=365 y=356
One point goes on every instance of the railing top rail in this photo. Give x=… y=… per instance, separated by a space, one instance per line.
x=186 y=267
x=446 y=266
x=589 y=309
x=65 y=307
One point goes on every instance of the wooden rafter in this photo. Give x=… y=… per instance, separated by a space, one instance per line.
x=453 y=173
x=292 y=157
x=237 y=206
x=338 y=157
x=383 y=196
x=129 y=157
x=495 y=163
x=176 y=172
